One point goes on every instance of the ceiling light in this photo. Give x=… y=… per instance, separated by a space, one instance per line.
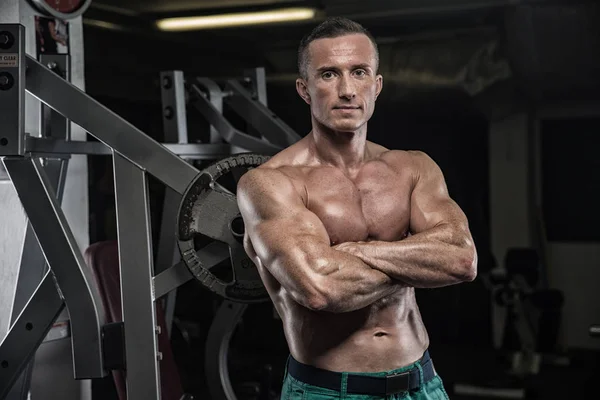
x=102 y=24
x=236 y=19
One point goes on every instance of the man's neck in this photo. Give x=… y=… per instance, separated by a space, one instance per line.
x=345 y=150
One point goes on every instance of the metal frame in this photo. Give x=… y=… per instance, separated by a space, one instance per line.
x=70 y=282
x=135 y=259
x=33 y=265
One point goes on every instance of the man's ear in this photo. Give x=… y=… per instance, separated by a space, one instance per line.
x=379 y=83
x=302 y=90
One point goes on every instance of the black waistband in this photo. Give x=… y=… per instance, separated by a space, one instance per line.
x=363 y=384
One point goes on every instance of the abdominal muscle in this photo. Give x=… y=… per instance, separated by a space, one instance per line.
x=386 y=335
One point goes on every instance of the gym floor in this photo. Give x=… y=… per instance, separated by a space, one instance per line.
x=576 y=380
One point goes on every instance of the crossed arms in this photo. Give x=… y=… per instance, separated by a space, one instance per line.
x=291 y=242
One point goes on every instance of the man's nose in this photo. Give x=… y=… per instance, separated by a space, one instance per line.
x=347 y=89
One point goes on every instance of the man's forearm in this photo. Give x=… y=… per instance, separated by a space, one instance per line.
x=349 y=284
x=439 y=257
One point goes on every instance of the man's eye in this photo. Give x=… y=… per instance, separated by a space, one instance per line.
x=361 y=72
x=327 y=75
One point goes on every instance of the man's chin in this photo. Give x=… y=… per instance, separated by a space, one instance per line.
x=344 y=125
x=346 y=128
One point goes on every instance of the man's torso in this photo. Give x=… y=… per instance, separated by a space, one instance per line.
x=370 y=203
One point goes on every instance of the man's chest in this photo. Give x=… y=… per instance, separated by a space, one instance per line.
x=373 y=205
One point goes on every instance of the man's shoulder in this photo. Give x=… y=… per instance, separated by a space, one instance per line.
x=405 y=158
x=261 y=176
x=275 y=174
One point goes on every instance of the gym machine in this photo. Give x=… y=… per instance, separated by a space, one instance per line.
x=205 y=208
x=531 y=329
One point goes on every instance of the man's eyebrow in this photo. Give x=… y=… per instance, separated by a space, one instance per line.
x=362 y=66
x=332 y=68
x=326 y=68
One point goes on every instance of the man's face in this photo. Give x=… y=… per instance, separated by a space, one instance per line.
x=341 y=85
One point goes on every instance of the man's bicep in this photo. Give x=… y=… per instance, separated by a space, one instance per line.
x=287 y=239
x=283 y=232
x=431 y=204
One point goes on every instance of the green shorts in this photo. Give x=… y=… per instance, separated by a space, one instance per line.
x=417 y=381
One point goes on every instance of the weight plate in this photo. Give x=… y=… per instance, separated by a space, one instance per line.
x=209 y=210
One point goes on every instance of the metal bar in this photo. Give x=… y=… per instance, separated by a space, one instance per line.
x=12 y=89
x=20 y=389
x=136 y=268
x=205 y=151
x=28 y=332
x=227 y=131
x=209 y=256
x=108 y=127
x=215 y=96
x=32 y=268
x=62 y=254
x=258 y=80
x=175 y=130
x=41 y=147
x=173 y=103
x=33 y=264
x=171 y=279
x=54 y=124
x=260 y=117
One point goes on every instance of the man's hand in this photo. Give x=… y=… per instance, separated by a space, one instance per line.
x=352 y=248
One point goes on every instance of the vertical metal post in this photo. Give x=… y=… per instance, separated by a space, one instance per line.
x=175 y=129
x=12 y=117
x=54 y=125
x=215 y=96
x=174 y=106
x=136 y=269
x=12 y=90
x=258 y=82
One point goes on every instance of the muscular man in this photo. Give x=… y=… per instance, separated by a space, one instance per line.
x=343 y=230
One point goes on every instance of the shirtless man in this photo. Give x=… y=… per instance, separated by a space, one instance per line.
x=343 y=230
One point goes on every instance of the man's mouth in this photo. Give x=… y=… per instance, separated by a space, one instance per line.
x=347 y=108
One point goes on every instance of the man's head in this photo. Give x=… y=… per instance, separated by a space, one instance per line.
x=338 y=63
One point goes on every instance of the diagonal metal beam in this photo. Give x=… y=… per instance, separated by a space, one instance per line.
x=227 y=131
x=66 y=261
x=124 y=138
x=28 y=332
x=260 y=117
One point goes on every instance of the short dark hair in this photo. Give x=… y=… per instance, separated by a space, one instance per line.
x=331 y=28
